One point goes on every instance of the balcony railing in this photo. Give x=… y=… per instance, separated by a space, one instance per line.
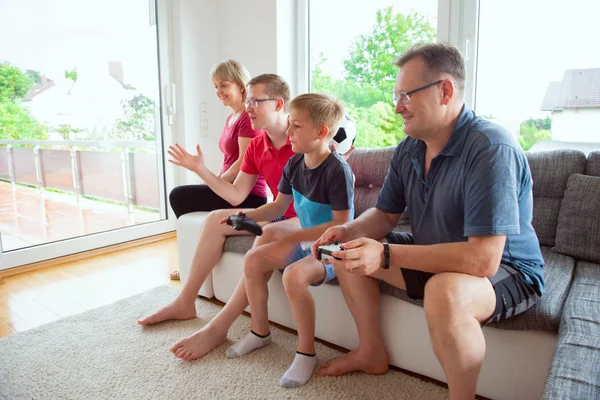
x=123 y=171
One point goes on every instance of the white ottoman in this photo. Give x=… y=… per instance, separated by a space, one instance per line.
x=189 y=227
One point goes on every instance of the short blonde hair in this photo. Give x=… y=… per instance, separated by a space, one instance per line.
x=232 y=71
x=275 y=86
x=322 y=110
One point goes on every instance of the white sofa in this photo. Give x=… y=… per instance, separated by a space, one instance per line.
x=516 y=363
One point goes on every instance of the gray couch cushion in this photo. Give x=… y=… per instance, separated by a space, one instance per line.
x=593 y=163
x=575 y=370
x=239 y=244
x=370 y=168
x=550 y=171
x=545 y=315
x=578 y=230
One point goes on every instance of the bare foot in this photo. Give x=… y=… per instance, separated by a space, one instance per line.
x=370 y=363
x=175 y=310
x=198 y=344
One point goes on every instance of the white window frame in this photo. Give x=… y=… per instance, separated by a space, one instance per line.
x=166 y=173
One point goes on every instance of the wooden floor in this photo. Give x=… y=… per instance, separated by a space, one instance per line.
x=35 y=298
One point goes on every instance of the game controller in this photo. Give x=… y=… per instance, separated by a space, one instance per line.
x=325 y=251
x=243 y=223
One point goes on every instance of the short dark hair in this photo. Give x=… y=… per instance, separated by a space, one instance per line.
x=438 y=57
x=275 y=86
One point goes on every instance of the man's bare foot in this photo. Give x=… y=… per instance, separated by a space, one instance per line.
x=175 y=310
x=370 y=363
x=198 y=344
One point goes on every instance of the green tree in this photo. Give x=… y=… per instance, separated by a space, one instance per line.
x=367 y=85
x=137 y=122
x=371 y=62
x=16 y=123
x=534 y=130
x=13 y=83
x=34 y=75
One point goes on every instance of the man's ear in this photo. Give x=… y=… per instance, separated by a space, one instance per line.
x=323 y=131
x=448 y=91
x=279 y=105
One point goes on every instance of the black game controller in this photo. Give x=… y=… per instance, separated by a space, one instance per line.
x=326 y=251
x=243 y=223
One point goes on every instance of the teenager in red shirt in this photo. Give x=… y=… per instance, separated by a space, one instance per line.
x=230 y=79
x=266 y=155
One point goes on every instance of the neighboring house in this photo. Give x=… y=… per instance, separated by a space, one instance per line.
x=92 y=103
x=575 y=106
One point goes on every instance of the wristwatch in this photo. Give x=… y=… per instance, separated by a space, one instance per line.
x=386 y=255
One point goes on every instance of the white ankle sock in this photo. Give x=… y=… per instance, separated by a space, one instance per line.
x=299 y=372
x=251 y=341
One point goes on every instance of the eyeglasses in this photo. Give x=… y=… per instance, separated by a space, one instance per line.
x=404 y=97
x=254 y=102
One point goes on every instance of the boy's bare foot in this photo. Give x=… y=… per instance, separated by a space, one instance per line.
x=175 y=310
x=198 y=344
x=356 y=360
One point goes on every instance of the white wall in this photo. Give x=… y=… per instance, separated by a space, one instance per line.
x=206 y=32
x=576 y=125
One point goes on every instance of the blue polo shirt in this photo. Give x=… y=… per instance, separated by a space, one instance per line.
x=479 y=184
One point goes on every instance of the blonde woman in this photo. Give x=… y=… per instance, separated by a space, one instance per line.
x=229 y=79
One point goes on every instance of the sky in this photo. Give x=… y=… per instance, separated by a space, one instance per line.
x=523 y=45
x=62 y=34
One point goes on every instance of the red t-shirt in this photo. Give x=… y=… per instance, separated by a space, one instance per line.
x=261 y=158
x=230 y=147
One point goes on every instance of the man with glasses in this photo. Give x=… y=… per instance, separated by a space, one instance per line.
x=266 y=155
x=473 y=256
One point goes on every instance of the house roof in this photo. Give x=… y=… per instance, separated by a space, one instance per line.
x=552 y=95
x=579 y=88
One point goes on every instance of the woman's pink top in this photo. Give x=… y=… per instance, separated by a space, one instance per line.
x=229 y=146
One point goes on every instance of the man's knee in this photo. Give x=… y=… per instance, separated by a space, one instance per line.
x=444 y=295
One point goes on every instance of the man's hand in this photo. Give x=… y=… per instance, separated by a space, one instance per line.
x=184 y=159
x=336 y=233
x=361 y=256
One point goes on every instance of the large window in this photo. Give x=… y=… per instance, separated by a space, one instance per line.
x=80 y=127
x=352 y=49
x=538 y=71
x=532 y=66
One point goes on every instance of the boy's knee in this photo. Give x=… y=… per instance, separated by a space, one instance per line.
x=295 y=277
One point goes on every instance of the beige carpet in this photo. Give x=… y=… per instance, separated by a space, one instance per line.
x=104 y=354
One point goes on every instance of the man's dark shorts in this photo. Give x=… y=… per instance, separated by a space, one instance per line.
x=513 y=294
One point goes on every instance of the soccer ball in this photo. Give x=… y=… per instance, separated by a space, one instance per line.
x=344 y=137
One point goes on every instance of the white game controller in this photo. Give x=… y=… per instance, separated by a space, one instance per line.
x=326 y=251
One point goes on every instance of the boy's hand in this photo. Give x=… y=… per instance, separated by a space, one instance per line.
x=333 y=147
x=334 y=234
x=184 y=159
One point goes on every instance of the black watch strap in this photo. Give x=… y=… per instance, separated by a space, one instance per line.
x=386 y=255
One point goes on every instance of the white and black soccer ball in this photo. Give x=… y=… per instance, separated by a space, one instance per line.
x=344 y=137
